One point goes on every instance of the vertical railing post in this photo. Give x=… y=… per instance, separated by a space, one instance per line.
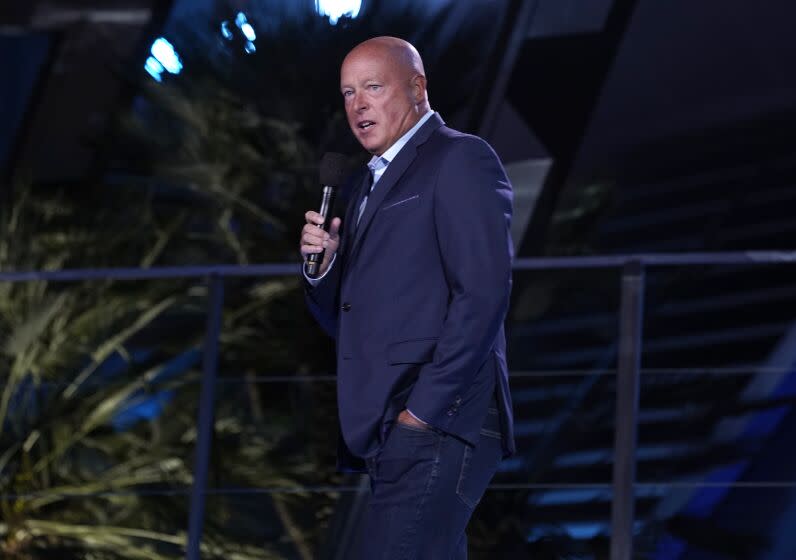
x=204 y=428
x=631 y=316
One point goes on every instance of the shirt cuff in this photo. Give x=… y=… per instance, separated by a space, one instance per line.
x=315 y=281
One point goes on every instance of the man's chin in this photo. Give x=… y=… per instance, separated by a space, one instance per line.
x=372 y=148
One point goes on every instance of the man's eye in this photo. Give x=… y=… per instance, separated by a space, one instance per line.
x=374 y=87
x=347 y=93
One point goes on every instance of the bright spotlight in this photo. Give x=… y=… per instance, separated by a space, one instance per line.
x=154 y=68
x=335 y=9
x=164 y=52
x=225 y=31
x=248 y=31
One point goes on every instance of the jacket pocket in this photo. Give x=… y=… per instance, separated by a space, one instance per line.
x=404 y=203
x=415 y=351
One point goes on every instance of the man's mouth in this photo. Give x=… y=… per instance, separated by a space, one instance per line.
x=365 y=125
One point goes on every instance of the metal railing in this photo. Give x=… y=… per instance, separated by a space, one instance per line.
x=628 y=372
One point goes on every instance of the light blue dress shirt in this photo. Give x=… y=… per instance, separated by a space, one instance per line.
x=377 y=165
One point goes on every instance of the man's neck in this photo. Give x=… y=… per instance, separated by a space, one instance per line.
x=390 y=153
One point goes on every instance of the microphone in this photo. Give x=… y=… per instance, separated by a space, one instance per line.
x=333 y=171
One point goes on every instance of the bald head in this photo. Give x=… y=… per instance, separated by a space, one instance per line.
x=402 y=55
x=383 y=83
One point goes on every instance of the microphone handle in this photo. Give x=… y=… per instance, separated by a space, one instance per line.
x=327 y=203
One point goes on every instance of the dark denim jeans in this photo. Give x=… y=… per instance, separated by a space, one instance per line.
x=424 y=487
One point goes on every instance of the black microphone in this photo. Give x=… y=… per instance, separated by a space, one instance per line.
x=333 y=171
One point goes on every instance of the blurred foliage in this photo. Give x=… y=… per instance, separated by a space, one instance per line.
x=100 y=388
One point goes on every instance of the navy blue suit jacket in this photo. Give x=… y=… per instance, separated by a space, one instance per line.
x=418 y=294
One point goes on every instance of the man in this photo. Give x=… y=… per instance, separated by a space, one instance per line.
x=414 y=285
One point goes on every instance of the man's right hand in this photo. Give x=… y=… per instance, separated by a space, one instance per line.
x=314 y=239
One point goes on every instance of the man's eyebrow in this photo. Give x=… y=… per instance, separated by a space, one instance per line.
x=365 y=81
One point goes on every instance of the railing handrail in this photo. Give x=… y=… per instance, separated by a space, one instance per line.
x=628 y=371
x=657 y=260
x=152 y=273
x=285 y=269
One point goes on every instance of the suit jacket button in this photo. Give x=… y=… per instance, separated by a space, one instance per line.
x=451 y=412
x=346 y=306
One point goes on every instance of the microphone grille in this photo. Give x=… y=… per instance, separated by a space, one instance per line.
x=333 y=169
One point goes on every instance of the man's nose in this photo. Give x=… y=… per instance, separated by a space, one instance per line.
x=360 y=104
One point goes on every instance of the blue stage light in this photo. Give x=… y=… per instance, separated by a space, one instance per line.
x=248 y=31
x=164 y=52
x=154 y=68
x=335 y=9
x=225 y=31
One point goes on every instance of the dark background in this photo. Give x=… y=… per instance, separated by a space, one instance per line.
x=626 y=126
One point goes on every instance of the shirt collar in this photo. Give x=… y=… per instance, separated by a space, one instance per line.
x=377 y=162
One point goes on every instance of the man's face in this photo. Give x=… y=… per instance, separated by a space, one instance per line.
x=380 y=98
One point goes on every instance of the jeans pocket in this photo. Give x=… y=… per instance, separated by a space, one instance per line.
x=479 y=465
x=407 y=449
x=412 y=427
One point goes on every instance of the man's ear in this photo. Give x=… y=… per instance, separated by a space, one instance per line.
x=419 y=87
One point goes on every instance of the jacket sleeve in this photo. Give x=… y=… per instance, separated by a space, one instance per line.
x=472 y=213
x=322 y=299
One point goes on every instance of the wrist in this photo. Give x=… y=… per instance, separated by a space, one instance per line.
x=407 y=417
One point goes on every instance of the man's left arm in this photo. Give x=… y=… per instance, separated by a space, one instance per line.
x=472 y=211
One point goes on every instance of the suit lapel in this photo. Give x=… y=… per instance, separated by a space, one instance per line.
x=350 y=223
x=392 y=174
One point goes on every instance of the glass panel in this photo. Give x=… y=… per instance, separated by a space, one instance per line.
x=719 y=523
x=101 y=381
x=273 y=486
x=563 y=429
x=275 y=435
x=717 y=317
x=551 y=309
x=701 y=523
x=114 y=526
x=285 y=525
x=563 y=394
x=550 y=523
x=718 y=380
x=722 y=425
